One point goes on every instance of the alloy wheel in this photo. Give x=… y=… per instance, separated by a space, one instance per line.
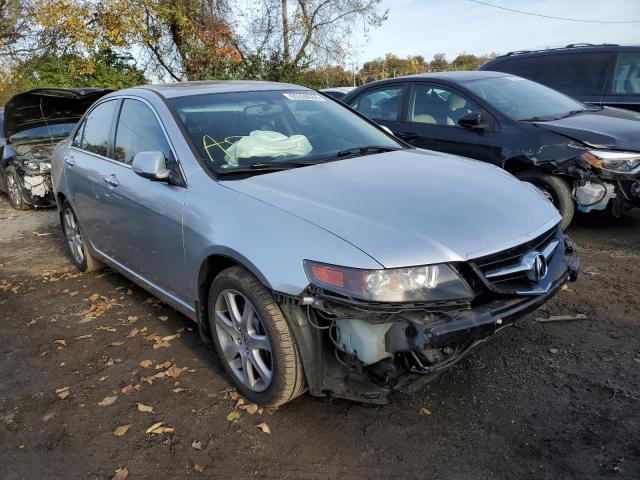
x=243 y=340
x=74 y=237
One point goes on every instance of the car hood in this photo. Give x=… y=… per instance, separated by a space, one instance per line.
x=610 y=128
x=409 y=207
x=48 y=106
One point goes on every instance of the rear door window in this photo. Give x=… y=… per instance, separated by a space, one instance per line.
x=576 y=74
x=626 y=76
x=97 y=128
x=138 y=131
x=381 y=103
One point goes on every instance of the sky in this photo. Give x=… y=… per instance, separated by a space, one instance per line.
x=426 y=27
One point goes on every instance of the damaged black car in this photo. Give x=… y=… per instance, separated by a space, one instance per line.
x=32 y=125
x=580 y=156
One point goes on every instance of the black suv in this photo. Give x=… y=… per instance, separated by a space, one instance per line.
x=576 y=154
x=607 y=75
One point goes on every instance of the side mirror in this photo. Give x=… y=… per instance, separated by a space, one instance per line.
x=386 y=129
x=473 y=121
x=151 y=165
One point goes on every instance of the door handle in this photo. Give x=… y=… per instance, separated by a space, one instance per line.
x=112 y=180
x=407 y=135
x=69 y=161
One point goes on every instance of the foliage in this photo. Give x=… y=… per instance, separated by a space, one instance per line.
x=106 y=70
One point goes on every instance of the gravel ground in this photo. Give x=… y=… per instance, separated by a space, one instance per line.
x=541 y=400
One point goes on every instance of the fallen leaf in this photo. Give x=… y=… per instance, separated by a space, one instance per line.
x=158 y=429
x=102 y=379
x=143 y=329
x=162 y=365
x=144 y=408
x=116 y=344
x=178 y=390
x=146 y=363
x=154 y=426
x=198 y=468
x=129 y=291
x=196 y=444
x=108 y=329
x=121 y=430
x=175 y=371
x=132 y=319
x=264 y=427
x=110 y=362
x=73 y=294
x=232 y=394
x=94 y=296
x=121 y=474
x=168 y=338
x=133 y=333
x=63 y=392
x=106 y=401
x=163 y=318
x=425 y=411
x=252 y=408
x=127 y=390
x=161 y=345
x=271 y=410
x=84 y=336
x=61 y=342
x=233 y=416
x=240 y=403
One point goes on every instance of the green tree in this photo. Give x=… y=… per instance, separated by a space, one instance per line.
x=67 y=71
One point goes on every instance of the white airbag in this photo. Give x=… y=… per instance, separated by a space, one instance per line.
x=261 y=143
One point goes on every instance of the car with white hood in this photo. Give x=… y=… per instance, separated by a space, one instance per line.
x=315 y=250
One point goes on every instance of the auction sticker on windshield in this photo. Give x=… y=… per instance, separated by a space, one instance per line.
x=311 y=97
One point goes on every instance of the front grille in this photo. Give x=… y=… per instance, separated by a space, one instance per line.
x=511 y=271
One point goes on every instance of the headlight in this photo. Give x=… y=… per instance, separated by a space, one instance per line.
x=621 y=162
x=412 y=284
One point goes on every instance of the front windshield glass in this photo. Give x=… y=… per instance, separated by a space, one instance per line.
x=273 y=128
x=45 y=131
x=523 y=99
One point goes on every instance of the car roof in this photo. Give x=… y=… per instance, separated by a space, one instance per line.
x=183 y=89
x=567 y=50
x=453 y=77
x=337 y=89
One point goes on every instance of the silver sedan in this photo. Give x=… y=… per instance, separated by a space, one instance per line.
x=315 y=250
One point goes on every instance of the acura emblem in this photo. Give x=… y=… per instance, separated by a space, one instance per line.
x=537 y=265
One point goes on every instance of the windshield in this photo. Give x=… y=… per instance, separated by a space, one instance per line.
x=45 y=131
x=239 y=131
x=523 y=99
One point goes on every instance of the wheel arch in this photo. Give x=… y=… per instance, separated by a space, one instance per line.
x=217 y=260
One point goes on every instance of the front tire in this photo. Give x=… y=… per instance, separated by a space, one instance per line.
x=14 y=190
x=554 y=188
x=253 y=340
x=80 y=254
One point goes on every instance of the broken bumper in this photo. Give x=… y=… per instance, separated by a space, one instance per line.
x=36 y=187
x=415 y=342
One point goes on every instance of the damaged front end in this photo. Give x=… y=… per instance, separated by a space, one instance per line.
x=601 y=176
x=32 y=164
x=362 y=350
x=34 y=123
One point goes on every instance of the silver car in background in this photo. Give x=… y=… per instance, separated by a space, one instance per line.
x=317 y=252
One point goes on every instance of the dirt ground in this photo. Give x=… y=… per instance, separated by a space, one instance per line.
x=542 y=400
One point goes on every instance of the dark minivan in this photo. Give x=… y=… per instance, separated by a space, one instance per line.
x=607 y=75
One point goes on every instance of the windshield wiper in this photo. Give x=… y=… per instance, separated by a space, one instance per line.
x=370 y=149
x=264 y=167
x=539 y=119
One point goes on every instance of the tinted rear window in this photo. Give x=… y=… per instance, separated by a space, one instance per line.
x=574 y=74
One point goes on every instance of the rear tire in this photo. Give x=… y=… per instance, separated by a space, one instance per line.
x=77 y=242
x=14 y=190
x=253 y=340
x=556 y=189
